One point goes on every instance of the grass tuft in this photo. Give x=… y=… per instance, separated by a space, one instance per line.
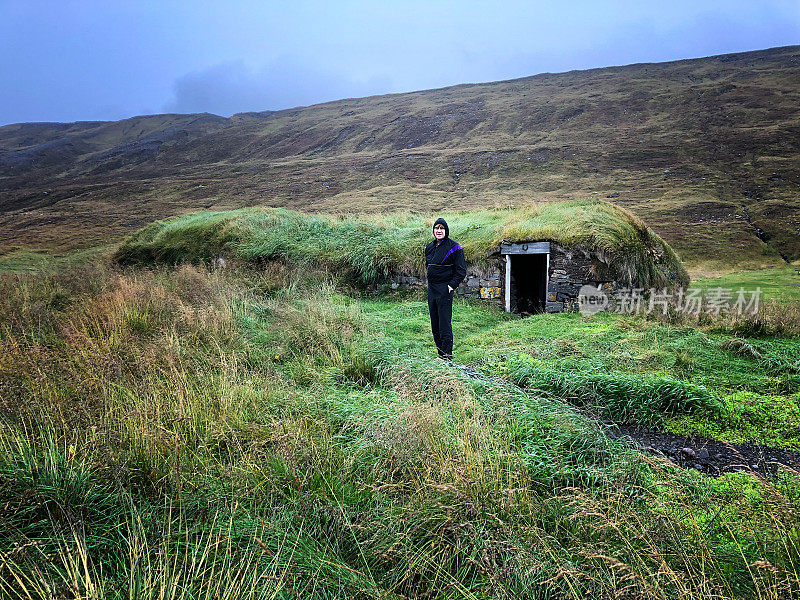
x=622 y=397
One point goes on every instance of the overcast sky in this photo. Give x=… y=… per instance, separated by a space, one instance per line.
x=64 y=60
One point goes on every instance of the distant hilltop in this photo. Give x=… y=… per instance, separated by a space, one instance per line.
x=706 y=150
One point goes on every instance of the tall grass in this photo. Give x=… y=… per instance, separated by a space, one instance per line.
x=194 y=434
x=370 y=248
x=772 y=318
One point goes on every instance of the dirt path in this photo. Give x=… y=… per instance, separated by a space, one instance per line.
x=707 y=455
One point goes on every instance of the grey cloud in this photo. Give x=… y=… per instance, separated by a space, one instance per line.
x=232 y=87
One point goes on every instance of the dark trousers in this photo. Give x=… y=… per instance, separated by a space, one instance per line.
x=440 y=307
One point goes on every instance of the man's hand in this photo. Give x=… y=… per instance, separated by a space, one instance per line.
x=449 y=289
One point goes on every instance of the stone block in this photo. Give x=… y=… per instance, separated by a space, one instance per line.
x=553 y=307
x=570 y=289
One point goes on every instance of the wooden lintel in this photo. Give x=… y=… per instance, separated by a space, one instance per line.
x=525 y=248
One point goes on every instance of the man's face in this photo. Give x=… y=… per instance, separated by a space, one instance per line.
x=438 y=232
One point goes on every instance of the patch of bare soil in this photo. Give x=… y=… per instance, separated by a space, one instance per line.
x=710 y=456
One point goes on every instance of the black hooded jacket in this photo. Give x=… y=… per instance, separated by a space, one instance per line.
x=445 y=262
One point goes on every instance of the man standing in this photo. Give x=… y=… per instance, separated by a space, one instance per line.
x=446 y=269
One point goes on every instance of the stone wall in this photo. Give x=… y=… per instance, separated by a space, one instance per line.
x=486 y=284
x=480 y=283
x=570 y=269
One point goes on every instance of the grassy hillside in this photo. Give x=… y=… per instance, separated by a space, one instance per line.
x=371 y=248
x=184 y=433
x=704 y=150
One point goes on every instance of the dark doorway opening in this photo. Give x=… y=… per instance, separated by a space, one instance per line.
x=528 y=283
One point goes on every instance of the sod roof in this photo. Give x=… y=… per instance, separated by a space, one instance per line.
x=371 y=248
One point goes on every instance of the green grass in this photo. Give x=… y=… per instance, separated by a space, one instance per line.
x=621 y=397
x=28 y=260
x=769 y=419
x=610 y=362
x=369 y=249
x=180 y=432
x=781 y=285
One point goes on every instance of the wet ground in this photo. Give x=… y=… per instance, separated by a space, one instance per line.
x=709 y=456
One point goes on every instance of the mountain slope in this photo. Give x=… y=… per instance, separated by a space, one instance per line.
x=706 y=150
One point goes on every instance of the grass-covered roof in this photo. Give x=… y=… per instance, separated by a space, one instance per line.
x=372 y=247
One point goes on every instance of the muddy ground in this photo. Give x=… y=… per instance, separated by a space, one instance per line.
x=710 y=456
